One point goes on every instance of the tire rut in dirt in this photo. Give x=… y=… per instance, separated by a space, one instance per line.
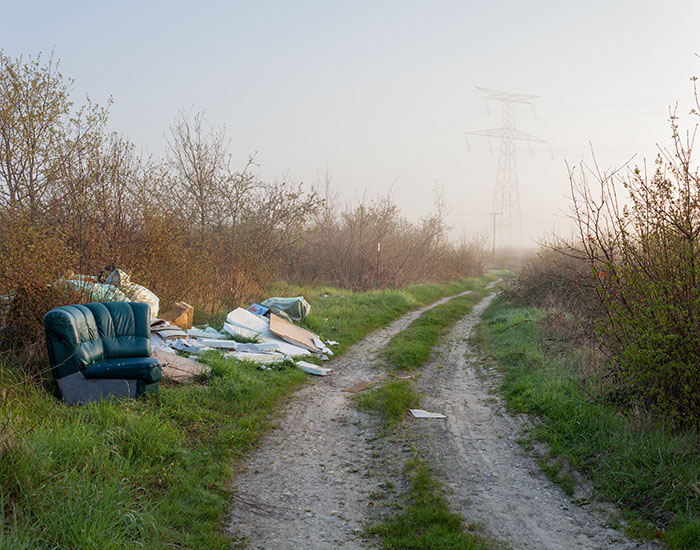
x=309 y=482
x=490 y=479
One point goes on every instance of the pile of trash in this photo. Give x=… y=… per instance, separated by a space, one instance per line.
x=110 y=285
x=264 y=333
x=259 y=334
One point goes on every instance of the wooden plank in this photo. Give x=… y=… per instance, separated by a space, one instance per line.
x=293 y=334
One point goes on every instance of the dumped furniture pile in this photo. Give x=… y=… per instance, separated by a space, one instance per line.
x=258 y=334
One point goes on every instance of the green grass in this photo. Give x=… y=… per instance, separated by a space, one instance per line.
x=144 y=472
x=392 y=400
x=411 y=348
x=154 y=472
x=425 y=521
x=649 y=469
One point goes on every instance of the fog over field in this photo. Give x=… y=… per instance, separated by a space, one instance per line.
x=380 y=94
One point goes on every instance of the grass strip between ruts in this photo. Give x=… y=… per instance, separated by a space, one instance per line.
x=424 y=520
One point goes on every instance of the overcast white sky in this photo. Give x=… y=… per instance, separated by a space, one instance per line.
x=383 y=91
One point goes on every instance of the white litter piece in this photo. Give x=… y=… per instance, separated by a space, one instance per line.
x=321 y=345
x=419 y=413
x=245 y=324
x=219 y=344
x=332 y=342
x=263 y=358
x=313 y=369
x=257 y=348
x=205 y=333
x=243 y=318
x=187 y=345
x=241 y=332
x=157 y=343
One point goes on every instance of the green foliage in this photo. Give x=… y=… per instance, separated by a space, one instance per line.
x=646 y=466
x=392 y=401
x=425 y=520
x=685 y=534
x=644 y=258
x=411 y=347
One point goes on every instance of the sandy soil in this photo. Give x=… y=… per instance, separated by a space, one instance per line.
x=311 y=482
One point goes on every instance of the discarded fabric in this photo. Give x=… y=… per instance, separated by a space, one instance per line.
x=294 y=309
x=109 y=286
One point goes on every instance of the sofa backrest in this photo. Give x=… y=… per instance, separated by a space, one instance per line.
x=78 y=336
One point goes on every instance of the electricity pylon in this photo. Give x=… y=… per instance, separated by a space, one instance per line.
x=506 y=197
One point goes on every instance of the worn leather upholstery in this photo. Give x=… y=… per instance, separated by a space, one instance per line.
x=102 y=341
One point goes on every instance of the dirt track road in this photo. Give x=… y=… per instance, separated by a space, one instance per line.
x=309 y=484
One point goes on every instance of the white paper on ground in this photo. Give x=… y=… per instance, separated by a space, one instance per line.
x=243 y=318
x=262 y=358
x=313 y=369
x=221 y=344
x=235 y=330
x=206 y=333
x=419 y=413
x=243 y=323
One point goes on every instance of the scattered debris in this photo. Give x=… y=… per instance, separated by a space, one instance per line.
x=220 y=344
x=179 y=368
x=264 y=358
x=419 y=413
x=313 y=369
x=181 y=314
x=167 y=331
x=242 y=323
x=207 y=332
x=270 y=340
x=111 y=285
x=292 y=309
x=259 y=309
x=358 y=387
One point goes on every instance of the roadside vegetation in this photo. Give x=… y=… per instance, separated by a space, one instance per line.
x=423 y=519
x=598 y=338
x=155 y=472
x=642 y=463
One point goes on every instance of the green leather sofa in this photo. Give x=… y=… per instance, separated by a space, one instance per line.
x=101 y=350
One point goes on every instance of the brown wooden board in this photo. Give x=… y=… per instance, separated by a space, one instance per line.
x=292 y=333
x=181 y=314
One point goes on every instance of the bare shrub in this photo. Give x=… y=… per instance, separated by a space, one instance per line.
x=369 y=244
x=642 y=251
x=189 y=227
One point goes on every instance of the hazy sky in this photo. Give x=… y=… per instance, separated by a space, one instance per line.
x=381 y=92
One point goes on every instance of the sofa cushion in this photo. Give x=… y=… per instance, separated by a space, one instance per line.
x=123 y=328
x=72 y=338
x=129 y=368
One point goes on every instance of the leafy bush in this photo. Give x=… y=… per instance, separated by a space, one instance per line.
x=644 y=259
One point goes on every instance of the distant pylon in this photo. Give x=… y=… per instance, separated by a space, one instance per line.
x=506 y=197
